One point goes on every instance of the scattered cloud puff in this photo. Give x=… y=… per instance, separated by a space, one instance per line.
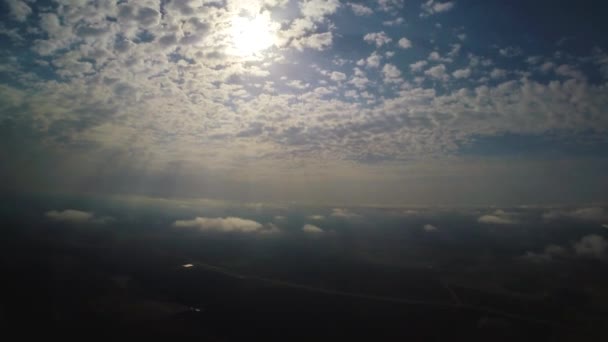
x=312 y=229
x=431 y=7
x=595 y=214
x=438 y=72
x=550 y=252
x=418 y=66
x=390 y=5
x=404 y=43
x=77 y=216
x=377 y=38
x=317 y=9
x=429 y=228
x=360 y=10
x=510 y=51
x=316 y=217
x=19 y=9
x=391 y=73
x=70 y=215
x=462 y=73
x=591 y=246
x=343 y=213
x=394 y=22
x=226 y=224
x=498 y=217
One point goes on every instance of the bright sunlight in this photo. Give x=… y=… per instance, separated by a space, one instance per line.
x=252 y=35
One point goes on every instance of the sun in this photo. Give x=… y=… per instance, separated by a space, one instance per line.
x=250 y=36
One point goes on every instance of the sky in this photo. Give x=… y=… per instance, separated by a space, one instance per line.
x=387 y=102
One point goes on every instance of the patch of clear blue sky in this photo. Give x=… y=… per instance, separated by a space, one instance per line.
x=584 y=144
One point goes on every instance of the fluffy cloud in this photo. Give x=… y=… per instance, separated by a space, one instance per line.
x=462 y=73
x=70 y=215
x=391 y=73
x=377 y=38
x=337 y=76
x=431 y=7
x=498 y=217
x=394 y=22
x=595 y=214
x=498 y=73
x=19 y=9
x=418 y=66
x=316 y=217
x=438 y=72
x=404 y=43
x=591 y=246
x=360 y=10
x=343 y=213
x=373 y=61
x=429 y=228
x=317 y=9
x=226 y=224
x=312 y=229
x=316 y=41
x=510 y=51
x=550 y=252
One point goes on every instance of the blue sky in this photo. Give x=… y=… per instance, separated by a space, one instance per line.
x=324 y=101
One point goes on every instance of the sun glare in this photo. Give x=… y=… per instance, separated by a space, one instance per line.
x=252 y=35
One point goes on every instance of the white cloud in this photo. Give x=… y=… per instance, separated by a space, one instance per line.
x=438 y=72
x=316 y=217
x=360 y=10
x=569 y=71
x=373 y=61
x=19 y=9
x=404 y=43
x=431 y=7
x=532 y=60
x=344 y=213
x=297 y=84
x=591 y=246
x=312 y=229
x=395 y=22
x=462 y=73
x=436 y=57
x=70 y=215
x=317 y=41
x=275 y=3
x=378 y=38
x=498 y=217
x=461 y=36
x=549 y=253
x=510 y=51
x=498 y=73
x=455 y=50
x=317 y=9
x=418 y=66
x=391 y=73
x=429 y=228
x=390 y=5
x=337 y=76
x=547 y=66
x=594 y=214
x=226 y=224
